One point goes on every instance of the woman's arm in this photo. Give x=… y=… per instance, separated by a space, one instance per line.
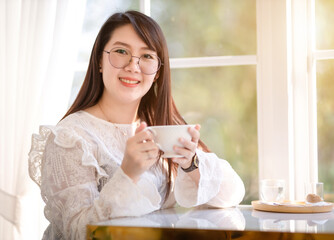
x=70 y=179
x=219 y=185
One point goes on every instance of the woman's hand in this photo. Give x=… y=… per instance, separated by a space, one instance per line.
x=189 y=147
x=140 y=153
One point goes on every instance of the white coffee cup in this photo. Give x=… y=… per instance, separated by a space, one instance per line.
x=166 y=137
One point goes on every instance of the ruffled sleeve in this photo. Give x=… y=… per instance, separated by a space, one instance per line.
x=69 y=176
x=36 y=153
x=219 y=184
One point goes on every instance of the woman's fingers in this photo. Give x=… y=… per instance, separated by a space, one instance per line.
x=144 y=136
x=141 y=127
x=185 y=151
x=195 y=134
x=150 y=155
x=142 y=152
x=189 y=145
x=148 y=146
x=188 y=148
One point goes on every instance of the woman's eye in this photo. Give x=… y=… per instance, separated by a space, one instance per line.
x=121 y=51
x=148 y=56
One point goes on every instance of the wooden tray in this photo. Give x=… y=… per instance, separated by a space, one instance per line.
x=292 y=207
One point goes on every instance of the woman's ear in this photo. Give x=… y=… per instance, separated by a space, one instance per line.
x=156 y=76
x=100 y=65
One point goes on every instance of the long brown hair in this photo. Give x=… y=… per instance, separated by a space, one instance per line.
x=157 y=107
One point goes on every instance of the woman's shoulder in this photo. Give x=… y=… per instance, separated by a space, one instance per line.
x=79 y=122
x=70 y=132
x=67 y=133
x=82 y=119
x=74 y=119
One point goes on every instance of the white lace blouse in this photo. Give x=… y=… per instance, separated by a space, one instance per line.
x=77 y=164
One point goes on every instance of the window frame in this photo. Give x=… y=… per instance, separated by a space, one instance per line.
x=273 y=90
x=287 y=121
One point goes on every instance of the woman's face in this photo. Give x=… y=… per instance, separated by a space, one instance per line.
x=129 y=84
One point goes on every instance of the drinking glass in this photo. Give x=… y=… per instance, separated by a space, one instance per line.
x=272 y=190
x=315 y=188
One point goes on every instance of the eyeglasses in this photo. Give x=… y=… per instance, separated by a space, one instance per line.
x=120 y=58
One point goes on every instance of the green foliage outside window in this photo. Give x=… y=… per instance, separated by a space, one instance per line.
x=223 y=101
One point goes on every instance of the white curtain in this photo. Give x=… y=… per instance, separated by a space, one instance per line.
x=38 y=49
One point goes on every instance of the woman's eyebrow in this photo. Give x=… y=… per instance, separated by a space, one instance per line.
x=122 y=43
x=128 y=46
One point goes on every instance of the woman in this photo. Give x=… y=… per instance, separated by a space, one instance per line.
x=100 y=162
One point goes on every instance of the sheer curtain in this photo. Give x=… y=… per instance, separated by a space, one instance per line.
x=38 y=43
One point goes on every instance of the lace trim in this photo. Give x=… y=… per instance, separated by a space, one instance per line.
x=36 y=154
x=64 y=138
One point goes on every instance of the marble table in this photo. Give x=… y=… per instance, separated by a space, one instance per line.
x=242 y=222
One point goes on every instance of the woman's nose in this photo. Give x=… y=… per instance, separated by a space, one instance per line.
x=133 y=64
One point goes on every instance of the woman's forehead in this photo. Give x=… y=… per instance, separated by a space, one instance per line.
x=127 y=36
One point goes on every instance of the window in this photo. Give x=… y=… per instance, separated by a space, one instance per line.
x=216 y=28
x=294 y=60
x=325 y=88
x=223 y=101
x=221 y=96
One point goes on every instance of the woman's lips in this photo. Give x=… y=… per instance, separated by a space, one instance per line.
x=129 y=82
